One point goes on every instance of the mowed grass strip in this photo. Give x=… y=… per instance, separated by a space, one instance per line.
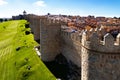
x=18 y=59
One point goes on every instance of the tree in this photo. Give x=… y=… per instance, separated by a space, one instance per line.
x=115 y=17
x=1 y=20
x=48 y=14
x=5 y=19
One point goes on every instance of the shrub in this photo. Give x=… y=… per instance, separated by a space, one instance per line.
x=18 y=48
x=27 y=32
x=27 y=26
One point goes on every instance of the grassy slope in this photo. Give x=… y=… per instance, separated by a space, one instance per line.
x=14 y=64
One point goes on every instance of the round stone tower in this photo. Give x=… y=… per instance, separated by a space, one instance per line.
x=100 y=58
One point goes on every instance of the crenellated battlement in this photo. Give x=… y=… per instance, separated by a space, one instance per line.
x=107 y=45
x=100 y=54
x=53 y=22
x=92 y=40
x=72 y=36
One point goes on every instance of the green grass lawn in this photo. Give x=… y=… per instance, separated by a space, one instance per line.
x=18 y=59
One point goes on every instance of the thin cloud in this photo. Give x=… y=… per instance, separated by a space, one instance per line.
x=40 y=3
x=3 y=2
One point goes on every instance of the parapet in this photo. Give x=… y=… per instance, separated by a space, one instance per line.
x=48 y=22
x=71 y=34
x=92 y=41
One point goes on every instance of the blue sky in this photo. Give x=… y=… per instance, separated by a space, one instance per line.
x=108 y=8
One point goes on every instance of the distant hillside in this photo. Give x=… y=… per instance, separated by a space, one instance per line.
x=18 y=59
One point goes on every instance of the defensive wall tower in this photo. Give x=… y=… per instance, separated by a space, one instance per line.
x=49 y=38
x=100 y=58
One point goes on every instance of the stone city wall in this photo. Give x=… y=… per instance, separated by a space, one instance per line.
x=70 y=47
